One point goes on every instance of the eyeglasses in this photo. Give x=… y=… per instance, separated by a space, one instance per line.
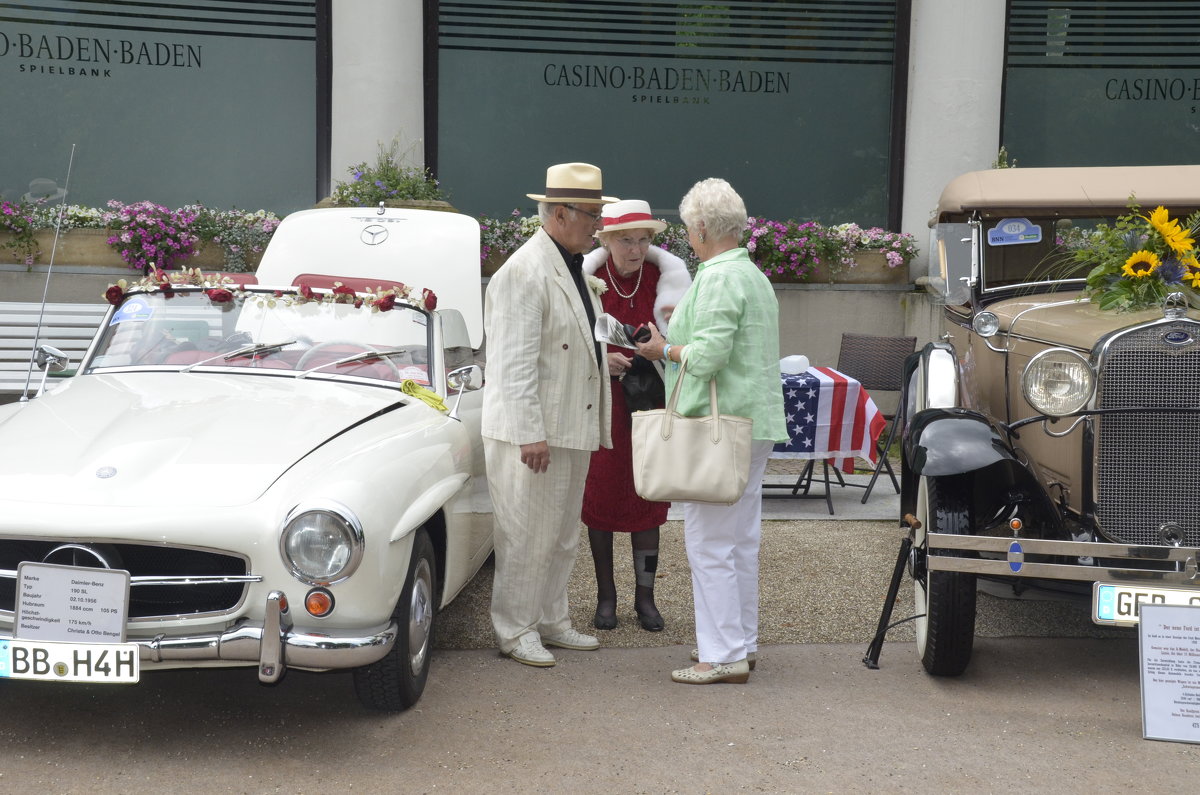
x=594 y=216
x=629 y=242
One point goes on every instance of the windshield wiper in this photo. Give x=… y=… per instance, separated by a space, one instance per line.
x=358 y=357
x=252 y=349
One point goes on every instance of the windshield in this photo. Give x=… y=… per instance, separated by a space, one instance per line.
x=1034 y=251
x=265 y=331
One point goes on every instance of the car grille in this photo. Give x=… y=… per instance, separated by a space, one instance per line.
x=1146 y=460
x=140 y=560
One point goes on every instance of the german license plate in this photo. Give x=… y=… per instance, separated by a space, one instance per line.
x=112 y=663
x=1118 y=605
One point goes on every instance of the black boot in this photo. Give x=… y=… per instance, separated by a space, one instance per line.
x=645 y=566
x=606 y=590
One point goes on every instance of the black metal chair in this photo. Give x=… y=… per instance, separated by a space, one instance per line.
x=878 y=364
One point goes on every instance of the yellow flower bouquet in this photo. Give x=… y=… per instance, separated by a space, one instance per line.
x=1137 y=261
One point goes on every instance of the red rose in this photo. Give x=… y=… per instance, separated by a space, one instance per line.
x=342 y=289
x=358 y=303
x=219 y=295
x=430 y=299
x=306 y=292
x=114 y=294
x=386 y=302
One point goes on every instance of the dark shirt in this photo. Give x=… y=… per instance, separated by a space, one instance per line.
x=575 y=266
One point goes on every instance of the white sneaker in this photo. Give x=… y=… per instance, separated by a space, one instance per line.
x=530 y=651
x=572 y=639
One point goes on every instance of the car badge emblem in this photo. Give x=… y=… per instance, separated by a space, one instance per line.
x=1177 y=338
x=106 y=472
x=374 y=234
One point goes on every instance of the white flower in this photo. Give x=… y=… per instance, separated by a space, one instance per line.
x=598 y=286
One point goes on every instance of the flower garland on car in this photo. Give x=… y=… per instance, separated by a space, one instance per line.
x=221 y=289
x=1136 y=262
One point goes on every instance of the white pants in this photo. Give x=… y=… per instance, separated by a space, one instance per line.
x=722 y=547
x=537 y=536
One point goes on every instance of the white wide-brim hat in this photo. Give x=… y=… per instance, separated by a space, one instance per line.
x=577 y=183
x=44 y=189
x=629 y=214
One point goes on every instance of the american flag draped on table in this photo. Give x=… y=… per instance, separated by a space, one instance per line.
x=829 y=415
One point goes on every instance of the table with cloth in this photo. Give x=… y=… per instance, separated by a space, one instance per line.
x=829 y=416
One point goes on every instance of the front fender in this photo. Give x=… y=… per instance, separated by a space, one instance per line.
x=952 y=441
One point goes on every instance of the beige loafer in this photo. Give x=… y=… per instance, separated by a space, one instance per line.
x=735 y=673
x=751 y=657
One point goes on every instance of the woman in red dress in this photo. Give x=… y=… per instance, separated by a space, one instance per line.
x=644 y=283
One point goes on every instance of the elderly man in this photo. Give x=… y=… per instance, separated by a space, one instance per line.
x=546 y=409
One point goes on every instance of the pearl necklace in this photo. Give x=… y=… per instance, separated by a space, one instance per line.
x=617 y=289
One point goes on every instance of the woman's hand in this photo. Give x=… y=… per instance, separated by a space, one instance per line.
x=618 y=363
x=653 y=348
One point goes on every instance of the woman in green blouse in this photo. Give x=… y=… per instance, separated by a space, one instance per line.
x=726 y=325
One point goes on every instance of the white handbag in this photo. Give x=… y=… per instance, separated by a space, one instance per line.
x=690 y=459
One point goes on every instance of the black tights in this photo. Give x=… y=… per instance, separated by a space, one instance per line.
x=644 y=565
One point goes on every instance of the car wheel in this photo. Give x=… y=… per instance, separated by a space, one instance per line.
x=396 y=682
x=943 y=600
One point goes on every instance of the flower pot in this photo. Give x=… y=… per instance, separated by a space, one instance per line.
x=75 y=247
x=415 y=204
x=871 y=267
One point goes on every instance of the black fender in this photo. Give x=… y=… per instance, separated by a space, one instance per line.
x=954 y=441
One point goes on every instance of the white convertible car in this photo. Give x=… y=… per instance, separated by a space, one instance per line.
x=279 y=471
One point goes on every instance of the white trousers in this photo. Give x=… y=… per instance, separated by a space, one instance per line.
x=537 y=536
x=722 y=547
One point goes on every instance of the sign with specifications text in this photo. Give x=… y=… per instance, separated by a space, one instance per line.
x=1169 y=641
x=71 y=603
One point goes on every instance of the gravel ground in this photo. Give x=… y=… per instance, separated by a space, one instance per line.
x=822 y=581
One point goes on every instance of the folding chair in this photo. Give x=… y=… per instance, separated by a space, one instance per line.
x=878 y=364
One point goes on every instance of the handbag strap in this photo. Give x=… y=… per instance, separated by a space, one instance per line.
x=668 y=415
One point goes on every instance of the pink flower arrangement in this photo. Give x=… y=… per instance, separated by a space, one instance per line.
x=147 y=234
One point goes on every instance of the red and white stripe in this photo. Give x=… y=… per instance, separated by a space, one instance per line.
x=848 y=422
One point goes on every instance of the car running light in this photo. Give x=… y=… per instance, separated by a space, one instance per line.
x=1058 y=382
x=321 y=544
x=319 y=602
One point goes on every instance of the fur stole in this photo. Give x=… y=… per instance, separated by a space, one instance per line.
x=673 y=279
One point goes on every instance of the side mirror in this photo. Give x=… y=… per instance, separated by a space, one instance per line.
x=463 y=380
x=51 y=359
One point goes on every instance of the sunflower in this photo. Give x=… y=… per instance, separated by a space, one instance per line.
x=1141 y=263
x=1172 y=234
x=1193 y=276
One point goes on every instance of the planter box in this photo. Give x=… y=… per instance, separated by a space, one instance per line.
x=871 y=268
x=75 y=247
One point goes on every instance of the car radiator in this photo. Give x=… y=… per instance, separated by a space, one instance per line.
x=166 y=581
x=1147 y=461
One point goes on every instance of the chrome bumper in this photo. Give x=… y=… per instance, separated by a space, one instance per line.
x=273 y=645
x=1183 y=560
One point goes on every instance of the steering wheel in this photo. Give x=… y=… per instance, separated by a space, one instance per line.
x=311 y=353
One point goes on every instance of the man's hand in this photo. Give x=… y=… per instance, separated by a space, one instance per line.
x=536 y=456
x=618 y=363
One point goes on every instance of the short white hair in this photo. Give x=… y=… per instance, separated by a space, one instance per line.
x=714 y=203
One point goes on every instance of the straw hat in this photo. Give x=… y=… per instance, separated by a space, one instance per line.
x=629 y=214
x=577 y=183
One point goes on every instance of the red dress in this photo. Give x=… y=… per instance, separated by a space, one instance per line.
x=609 y=501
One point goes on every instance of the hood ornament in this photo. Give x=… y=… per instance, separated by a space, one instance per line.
x=1174 y=306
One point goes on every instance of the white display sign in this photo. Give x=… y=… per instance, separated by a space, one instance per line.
x=71 y=603
x=1169 y=641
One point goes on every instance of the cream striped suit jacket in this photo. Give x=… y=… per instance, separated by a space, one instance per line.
x=543 y=380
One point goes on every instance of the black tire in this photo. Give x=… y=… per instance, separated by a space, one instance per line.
x=396 y=682
x=946 y=635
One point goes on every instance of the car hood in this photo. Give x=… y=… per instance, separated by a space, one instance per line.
x=141 y=439
x=1061 y=319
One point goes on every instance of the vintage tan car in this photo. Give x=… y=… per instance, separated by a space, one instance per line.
x=1048 y=442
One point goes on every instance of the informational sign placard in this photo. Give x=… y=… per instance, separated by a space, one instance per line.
x=71 y=603
x=1169 y=641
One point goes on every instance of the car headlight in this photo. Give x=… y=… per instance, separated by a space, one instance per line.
x=985 y=324
x=1058 y=382
x=321 y=543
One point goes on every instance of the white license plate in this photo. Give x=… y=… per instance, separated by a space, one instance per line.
x=112 y=663
x=1118 y=605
